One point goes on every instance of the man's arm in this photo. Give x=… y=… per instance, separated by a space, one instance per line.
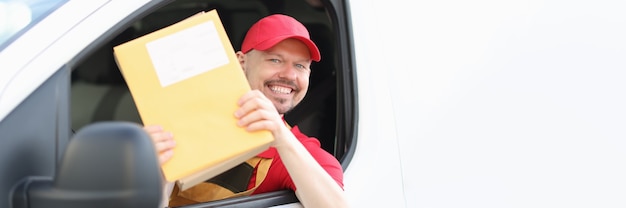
x=315 y=187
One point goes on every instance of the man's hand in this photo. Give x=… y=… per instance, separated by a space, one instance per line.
x=257 y=112
x=163 y=142
x=164 y=145
x=316 y=188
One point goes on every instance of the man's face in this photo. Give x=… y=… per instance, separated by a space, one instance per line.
x=281 y=72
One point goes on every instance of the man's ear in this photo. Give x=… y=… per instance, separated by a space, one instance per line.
x=241 y=57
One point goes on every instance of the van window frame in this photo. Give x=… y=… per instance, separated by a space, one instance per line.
x=346 y=97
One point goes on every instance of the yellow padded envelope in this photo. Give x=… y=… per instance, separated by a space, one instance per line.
x=186 y=78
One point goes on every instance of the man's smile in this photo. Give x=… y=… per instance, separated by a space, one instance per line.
x=280 y=89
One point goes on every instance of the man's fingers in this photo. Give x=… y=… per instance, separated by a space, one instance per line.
x=163 y=142
x=249 y=106
x=251 y=117
x=161 y=136
x=253 y=101
x=261 y=125
x=246 y=108
x=165 y=156
x=165 y=145
x=260 y=120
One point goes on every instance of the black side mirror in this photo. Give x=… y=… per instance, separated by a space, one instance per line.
x=106 y=164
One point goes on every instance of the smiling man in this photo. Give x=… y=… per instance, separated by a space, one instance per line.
x=276 y=56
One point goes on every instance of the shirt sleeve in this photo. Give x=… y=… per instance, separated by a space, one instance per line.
x=278 y=178
x=325 y=159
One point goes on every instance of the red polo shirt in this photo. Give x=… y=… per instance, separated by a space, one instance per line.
x=277 y=176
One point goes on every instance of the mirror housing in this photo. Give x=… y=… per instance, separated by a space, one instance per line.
x=106 y=164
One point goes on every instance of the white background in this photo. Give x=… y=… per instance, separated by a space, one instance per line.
x=493 y=103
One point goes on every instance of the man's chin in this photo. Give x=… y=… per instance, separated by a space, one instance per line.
x=281 y=105
x=283 y=109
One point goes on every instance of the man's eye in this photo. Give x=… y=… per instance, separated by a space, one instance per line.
x=275 y=60
x=303 y=68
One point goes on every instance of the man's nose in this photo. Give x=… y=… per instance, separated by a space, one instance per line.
x=288 y=72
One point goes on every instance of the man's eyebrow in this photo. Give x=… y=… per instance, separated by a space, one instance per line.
x=300 y=61
x=269 y=53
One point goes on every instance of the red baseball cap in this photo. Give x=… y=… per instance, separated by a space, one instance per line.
x=272 y=29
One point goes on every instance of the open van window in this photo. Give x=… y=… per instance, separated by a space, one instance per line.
x=99 y=92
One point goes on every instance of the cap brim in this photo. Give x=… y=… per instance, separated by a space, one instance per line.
x=313 y=50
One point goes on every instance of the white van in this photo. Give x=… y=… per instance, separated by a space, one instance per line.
x=425 y=103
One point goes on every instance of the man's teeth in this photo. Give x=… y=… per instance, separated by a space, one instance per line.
x=283 y=90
